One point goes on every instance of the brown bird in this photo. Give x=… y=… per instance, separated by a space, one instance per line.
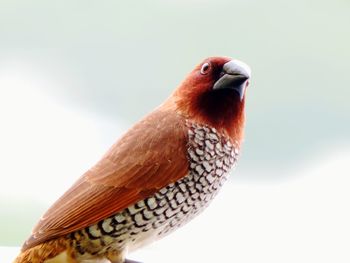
x=163 y=172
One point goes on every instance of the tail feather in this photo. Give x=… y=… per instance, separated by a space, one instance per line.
x=49 y=252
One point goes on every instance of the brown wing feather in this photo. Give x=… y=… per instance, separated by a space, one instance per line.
x=148 y=157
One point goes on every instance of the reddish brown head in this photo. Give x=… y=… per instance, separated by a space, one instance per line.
x=214 y=94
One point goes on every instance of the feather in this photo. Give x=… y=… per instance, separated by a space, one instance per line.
x=148 y=157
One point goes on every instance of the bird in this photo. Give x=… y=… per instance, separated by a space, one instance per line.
x=160 y=174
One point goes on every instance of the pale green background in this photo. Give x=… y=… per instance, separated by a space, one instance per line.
x=117 y=60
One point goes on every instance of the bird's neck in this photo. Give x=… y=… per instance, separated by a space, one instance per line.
x=226 y=117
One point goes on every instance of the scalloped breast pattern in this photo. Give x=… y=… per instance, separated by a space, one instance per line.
x=211 y=156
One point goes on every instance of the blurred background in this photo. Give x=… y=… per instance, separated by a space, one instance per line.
x=75 y=75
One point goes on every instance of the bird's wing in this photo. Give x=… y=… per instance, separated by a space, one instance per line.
x=148 y=157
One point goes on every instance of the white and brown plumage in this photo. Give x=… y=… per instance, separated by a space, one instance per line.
x=160 y=174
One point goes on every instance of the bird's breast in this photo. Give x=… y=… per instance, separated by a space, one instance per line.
x=211 y=155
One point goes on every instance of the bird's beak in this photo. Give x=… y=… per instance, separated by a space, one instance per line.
x=235 y=75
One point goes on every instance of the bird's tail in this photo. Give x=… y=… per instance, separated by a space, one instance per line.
x=53 y=251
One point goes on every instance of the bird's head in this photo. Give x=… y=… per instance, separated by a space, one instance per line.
x=214 y=94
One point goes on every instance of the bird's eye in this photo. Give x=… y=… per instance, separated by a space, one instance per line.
x=205 y=68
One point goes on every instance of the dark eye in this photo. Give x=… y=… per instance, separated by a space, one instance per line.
x=205 y=68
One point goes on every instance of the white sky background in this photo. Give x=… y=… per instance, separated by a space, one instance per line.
x=45 y=146
x=75 y=75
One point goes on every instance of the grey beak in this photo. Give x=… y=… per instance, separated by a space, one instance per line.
x=235 y=75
